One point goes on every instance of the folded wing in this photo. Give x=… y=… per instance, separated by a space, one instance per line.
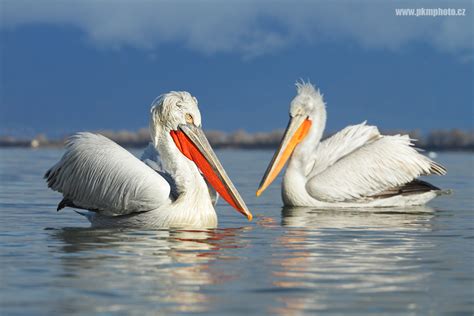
x=99 y=175
x=342 y=144
x=378 y=165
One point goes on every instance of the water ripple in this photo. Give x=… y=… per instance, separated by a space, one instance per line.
x=288 y=261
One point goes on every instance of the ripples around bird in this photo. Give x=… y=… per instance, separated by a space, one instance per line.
x=290 y=260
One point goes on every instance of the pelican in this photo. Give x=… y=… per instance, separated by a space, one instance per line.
x=174 y=185
x=356 y=167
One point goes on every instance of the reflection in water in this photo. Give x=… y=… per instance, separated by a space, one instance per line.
x=331 y=254
x=165 y=266
x=285 y=262
x=379 y=218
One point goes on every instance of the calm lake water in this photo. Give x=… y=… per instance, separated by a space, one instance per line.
x=287 y=261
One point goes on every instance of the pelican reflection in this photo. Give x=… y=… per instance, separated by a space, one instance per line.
x=360 y=254
x=165 y=266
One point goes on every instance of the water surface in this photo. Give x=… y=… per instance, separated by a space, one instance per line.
x=287 y=261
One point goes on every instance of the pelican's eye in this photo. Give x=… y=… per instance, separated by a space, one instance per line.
x=189 y=118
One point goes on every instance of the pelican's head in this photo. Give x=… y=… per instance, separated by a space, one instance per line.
x=308 y=101
x=174 y=108
x=177 y=114
x=306 y=109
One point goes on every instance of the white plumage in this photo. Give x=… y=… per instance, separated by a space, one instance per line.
x=165 y=189
x=96 y=173
x=375 y=166
x=152 y=159
x=355 y=167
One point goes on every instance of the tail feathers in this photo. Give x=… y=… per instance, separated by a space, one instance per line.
x=414 y=187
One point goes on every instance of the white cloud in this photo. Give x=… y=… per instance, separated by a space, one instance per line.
x=251 y=28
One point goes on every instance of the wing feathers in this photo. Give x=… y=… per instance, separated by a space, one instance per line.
x=414 y=187
x=342 y=144
x=436 y=168
x=384 y=164
x=97 y=174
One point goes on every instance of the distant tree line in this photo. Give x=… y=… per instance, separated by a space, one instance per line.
x=454 y=139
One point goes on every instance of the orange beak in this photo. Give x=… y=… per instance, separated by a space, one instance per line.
x=192 y=142
x=297 y=129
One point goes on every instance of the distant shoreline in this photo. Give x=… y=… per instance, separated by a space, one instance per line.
x=436 y=140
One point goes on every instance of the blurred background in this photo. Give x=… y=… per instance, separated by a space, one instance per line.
x=97 y=65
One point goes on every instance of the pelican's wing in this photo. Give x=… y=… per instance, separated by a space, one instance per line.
x=377 y=166
x=340 y=145
x=97 y=174
x=152 y=158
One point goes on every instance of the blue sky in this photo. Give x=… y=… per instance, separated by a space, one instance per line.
x=89 y=65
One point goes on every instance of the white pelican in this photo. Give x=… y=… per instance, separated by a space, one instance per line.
x=357 y=167
x=167 y=189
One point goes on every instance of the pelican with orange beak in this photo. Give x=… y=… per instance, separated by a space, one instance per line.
x=173 y=185
x=356 y=167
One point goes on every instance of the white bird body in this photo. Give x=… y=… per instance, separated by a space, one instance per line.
x=356 y=167
x=167 y=190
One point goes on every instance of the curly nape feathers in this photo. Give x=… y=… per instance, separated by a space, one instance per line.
x=307 y=88
x=162 y=106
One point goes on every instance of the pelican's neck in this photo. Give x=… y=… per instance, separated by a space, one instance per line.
x=303 y=155
x=188 y=179
x=301 y=162
x=193 y=206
